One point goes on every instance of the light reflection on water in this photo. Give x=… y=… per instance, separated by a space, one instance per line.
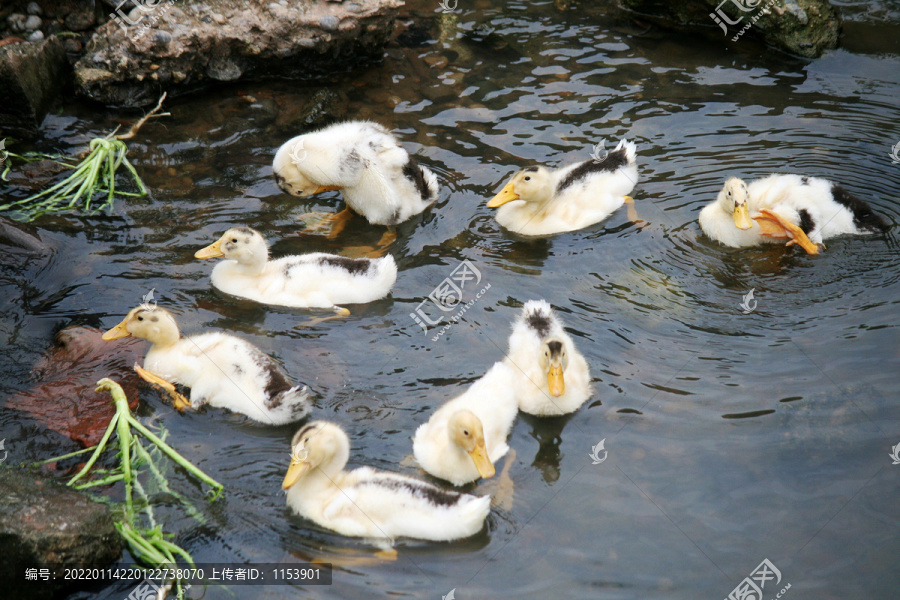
x=688 y=502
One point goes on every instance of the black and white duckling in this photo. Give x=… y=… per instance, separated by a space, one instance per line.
x=538 y=201
x=368 y=503
x=551 y=377
x=220 y=369
x=378 y=178
x=465 y=437
x=804 y=210
x=314 y=280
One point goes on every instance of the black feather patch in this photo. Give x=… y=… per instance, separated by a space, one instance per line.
x=354 y=266
x=555 y=348
x=613 y=161
x=806 y=222
x=540 y=322
x=804 y=180
x=303 y=431
x=413 y=172
x=276 y=379
x=863 y=217
x=425 y=491
x=530 y=169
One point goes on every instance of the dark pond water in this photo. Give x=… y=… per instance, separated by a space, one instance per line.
x=731 y=437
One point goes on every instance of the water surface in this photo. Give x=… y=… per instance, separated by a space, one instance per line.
x=731 y=437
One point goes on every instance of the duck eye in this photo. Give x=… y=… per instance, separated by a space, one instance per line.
x=528 y=179
x=140 y=318
x=465 y=432
x=234 y=240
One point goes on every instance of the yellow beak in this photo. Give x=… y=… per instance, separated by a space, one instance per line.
x=116 y=332
x=327 y=188
x=556 y=384
x=507 y=194
x=482 y=462
x=742 y=217
x=297 y=470
x=214 y=250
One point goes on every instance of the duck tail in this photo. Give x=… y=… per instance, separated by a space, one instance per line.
x=630 y=151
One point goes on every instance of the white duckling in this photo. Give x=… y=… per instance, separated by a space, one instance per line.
x=551 y=377
x=538 y=201
x=804 y=210
x=378 y=178
x=370 y=503
x=465 y=437
x=315 y=280
x=221 y=370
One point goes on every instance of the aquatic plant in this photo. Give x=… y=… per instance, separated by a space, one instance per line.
x=93 y=175
x=143 y=536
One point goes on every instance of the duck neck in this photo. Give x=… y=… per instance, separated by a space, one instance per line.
x=252 y=263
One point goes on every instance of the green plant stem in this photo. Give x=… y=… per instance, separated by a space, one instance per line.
x=96 y=482
x=176 y=457
x=65 y=456
x=100 y=447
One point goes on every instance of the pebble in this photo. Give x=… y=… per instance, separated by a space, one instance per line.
x=329 y=22
x=33 y=22
x=72 y=45
x=33 y=8
x=16 y=21
x=218 y=18
x=353 y=7
x=162 y=38
x=36 y=36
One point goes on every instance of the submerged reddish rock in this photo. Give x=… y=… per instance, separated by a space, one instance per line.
x=63 y=397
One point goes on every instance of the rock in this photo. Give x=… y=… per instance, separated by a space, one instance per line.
x=80 y=19
x=16 y=22
x=36 y=36
x=33 y=22
x=34 y=9
x=229 y=40
x=64 y=398
x=804 y=27
x=32 y=77
x=16 y=237
x=44 y=524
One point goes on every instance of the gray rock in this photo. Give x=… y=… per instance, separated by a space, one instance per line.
x=32 y=76
x=162 y=38
x=804 y=27
x=44 y=524
x=329 y=23
x=229 y=40
x=80 y=19
x=16 y=22
x=34 y=9
x=33 y=22
x=36 y=36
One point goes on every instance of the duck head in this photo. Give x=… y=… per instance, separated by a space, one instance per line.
x=466 y=432
x=734 y=199
x=151 y=323
x=533 y=184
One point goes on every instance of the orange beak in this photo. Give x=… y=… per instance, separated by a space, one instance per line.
x=556 y=384
x=507 y=194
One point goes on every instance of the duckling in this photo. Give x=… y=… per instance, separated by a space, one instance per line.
x=465 y=437
x=220 y=369
x=804 y=210
x=551 y=377
x=370 y=503
x=538 y=201
x=378 y=178
x=315 y=280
